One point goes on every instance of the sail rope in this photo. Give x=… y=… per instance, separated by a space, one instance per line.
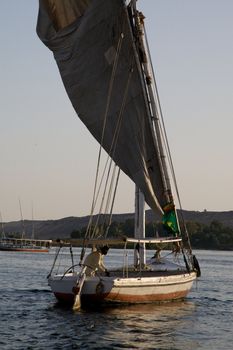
x=94 y=200
x=108 y=200
x=107 y=217
x=113 y=147
x=113 y=201
x=94 y=233
x=166 y=143
x=186 y=239
x=110 y=191
x=164 y=139
x=114 y=141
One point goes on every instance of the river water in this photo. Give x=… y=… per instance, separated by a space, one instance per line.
x=30 y=318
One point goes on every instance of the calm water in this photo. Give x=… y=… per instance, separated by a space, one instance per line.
x=31 y=319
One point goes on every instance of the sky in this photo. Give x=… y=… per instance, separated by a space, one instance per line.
x=48 y=158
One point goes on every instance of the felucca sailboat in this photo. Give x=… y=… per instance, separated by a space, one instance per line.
x=101 y=50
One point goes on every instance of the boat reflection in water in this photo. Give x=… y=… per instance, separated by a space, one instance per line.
x=142 y=326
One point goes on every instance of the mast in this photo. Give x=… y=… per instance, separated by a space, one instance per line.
x=143 y=53
x=139 y=229
x=155 y=122
x=159 y=130
x=22 y=220
x=3 y=232
x=149 y=84
x=33 y=226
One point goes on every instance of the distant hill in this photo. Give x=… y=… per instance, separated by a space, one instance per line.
x=62 y=228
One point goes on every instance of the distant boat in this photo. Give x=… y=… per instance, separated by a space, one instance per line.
x=101 y=50
x=23 y=244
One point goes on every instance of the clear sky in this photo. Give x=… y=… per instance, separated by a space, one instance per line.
x=48 y=157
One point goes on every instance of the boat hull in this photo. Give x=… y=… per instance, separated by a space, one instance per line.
x=25 y=245
x=149 y=289
x=31 y=250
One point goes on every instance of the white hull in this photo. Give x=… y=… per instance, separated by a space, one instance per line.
x=25 y=245
x=152 y=287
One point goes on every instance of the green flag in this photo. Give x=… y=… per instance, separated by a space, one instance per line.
x=170 y=219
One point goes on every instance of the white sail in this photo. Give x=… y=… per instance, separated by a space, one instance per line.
x=99 y=63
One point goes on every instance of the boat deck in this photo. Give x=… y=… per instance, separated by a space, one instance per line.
x=144 y=273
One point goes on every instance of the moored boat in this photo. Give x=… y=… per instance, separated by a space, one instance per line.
x=25 y=245
x=22 y=244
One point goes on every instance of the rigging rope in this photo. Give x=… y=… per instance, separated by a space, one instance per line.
x=168 y=152
x=112 y=149
x=104 y=124
x=102 y=201
x=113 y=201
x=114 y=141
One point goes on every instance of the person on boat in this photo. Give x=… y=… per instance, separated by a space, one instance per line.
x=94 y=261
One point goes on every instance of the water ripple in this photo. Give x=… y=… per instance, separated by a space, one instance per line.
x=31 y=318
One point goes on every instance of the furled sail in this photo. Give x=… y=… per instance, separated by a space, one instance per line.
x=93 y=44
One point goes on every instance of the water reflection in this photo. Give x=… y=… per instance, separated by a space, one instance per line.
x=150 y=326
x=173 y=309
x=30 y=318
x=147 y=326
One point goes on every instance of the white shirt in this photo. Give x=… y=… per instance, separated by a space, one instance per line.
x=94 y=262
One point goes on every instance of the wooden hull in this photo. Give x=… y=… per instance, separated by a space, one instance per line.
x=149 y=289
